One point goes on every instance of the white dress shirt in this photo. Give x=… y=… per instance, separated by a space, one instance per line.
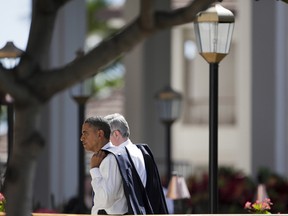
x=137 y=158
x=108 y=187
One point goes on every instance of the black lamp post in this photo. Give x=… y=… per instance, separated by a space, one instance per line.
x=81 y=102
x=214 y=28
x=169 y=105
x=81 y=97
x=9 y=56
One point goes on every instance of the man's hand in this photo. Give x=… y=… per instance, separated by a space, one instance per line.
x=97 y=158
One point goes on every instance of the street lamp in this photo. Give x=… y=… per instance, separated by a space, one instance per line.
x=169 y=105
x=213 y=29
x=81 y=95
x=9 y=56
x=81 y=101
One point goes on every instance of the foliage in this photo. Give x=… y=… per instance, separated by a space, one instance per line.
x=97 y=22
x=277 y=189
x=94 y=24
x=3 y=113
x=235 y=189
x=112 y=76
x=2 y=203
x=259 y=207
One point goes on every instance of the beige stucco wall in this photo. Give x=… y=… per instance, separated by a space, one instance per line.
x=191 y=142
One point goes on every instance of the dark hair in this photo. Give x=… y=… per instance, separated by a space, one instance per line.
x=100 y=123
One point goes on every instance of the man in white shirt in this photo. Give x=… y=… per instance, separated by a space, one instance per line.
x=106 y=181
x=120 y=133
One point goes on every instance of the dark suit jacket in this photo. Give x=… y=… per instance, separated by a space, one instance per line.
x=141 y=200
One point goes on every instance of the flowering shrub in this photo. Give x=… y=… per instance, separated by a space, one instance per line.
x=234 y=190
x=277 y=189
x=2 y=203
x=259 y=207
x=45 y=210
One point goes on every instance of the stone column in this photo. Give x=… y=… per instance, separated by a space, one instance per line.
x=269 y=86
x=57 y=175
x=148 y=70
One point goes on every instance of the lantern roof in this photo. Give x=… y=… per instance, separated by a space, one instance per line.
x=10 y=51
x=168 y=94
x=216 y=13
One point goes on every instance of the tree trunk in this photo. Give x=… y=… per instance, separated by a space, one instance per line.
x=19 y=181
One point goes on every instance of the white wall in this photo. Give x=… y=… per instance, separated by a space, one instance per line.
x=191 y=141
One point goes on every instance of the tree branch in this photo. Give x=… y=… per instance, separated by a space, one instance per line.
x=44 y=14
x=48 y=83
x=9 y=84
x=147 y=14
x=182 y=15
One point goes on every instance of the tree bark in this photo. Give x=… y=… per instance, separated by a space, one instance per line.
x=21 y=169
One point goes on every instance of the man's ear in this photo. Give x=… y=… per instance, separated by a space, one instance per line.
x=100 y=133
x=117 y=133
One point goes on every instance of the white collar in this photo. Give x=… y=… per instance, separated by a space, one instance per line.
x=127 y=142
x=107 y=145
